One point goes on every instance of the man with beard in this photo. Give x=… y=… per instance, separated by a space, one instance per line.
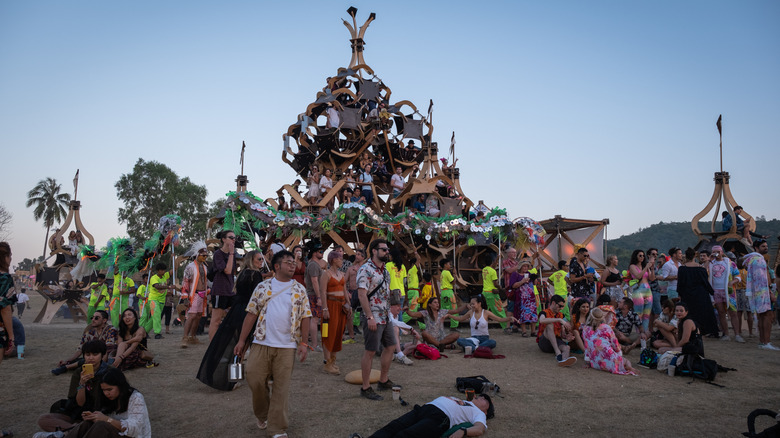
x=373 y=282
x=757 y=290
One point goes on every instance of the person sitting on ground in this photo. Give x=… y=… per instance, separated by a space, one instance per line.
x=84 y=391
x=602 y=350
x=579 y=316
x=405 y=349
x=604 y=302
x=478 y=317
x=551 y=336
x=689 y=340
x=436 y=418
x=665 y=327
x=434 y=317
x=121 y=411
x=627 y=319
x=131 y=351
x=99 y=329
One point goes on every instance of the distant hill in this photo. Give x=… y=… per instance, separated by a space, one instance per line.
x=665 y=235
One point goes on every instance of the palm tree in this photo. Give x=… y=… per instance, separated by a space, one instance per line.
x=49 y=204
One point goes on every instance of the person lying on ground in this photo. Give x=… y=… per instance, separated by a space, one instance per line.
x=438 y=417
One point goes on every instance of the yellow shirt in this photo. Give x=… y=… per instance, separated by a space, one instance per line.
x=413 y=279
x=425 y=294
x=141 y=292
x=446 y=280
x=154 y=294
x=396 y=277
x=489 y=275
x=96 y=293
x=558 y=279
x=118 y=283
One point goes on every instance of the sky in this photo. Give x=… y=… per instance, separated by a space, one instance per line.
x=590 y=110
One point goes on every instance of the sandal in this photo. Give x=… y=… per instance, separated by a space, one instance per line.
x=262 y=425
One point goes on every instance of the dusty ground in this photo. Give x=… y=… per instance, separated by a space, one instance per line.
x=539 y=398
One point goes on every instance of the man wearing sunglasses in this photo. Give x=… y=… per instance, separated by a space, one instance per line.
x=99 y=329
x=373 y=282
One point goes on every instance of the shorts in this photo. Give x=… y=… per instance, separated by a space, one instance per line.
x=223 y=302
x=383 y=336
x=743 y=303
x=316 y=308
x=197 y=304
x=546 y=346
x=719 y=296
x=672 y=293
x=354 y=301
x=510 y=307
x=615 y=293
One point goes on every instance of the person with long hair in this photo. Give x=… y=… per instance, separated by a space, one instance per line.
x=612 y=281
x=694 y=288
x=225 y=268
x=132 y=342
x=194 y=290
x=433 y=317
x=7 y=298
x=300 y=264
x=688 y=339
x=333 y=289
x=579 y=317
x=478 y=316
x=642 y=272
x=121 y=410
x=602 y=349
x=213 y=369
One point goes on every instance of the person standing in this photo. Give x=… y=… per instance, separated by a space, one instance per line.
x=490 y=289
x=120 y=296
x=374 y=293
x=334 y=296
x=723 y=277
x=222 y=293
x=158 y=291
x=7 y=299
x=278 y=314
x=194 y=289
x=668 y=272
x=98 y=296
x=22 y=302
x=642 y=272
x=397 y=182
x=694 y=288
x=352 y=287
x=579 y=280
x=757 y=290
x=312 y=283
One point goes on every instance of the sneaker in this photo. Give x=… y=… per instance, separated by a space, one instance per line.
x=370 y=394
x=569 y=361
x=158 y=336
x=59 y=370
x=404 y=360
x=348 y=341
x=769 y=346
x=739 y=339
x=384 y=386
x=262 y=425
x=725 y=338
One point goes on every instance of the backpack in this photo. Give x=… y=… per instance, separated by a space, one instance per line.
x=485 y=353
x=648 y=358
x=696 y=367
x=425 y=351
x=210 y=272
x=480 y=384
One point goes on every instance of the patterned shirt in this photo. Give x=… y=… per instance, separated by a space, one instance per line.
x=370 y=276
x=580 y=288
x=300 y=308
x=624 y=323
x=108 y=335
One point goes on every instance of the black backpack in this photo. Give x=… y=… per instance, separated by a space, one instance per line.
x=210 y=272
x=480 y=384
x=697 y=367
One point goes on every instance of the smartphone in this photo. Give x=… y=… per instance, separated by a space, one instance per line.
x=87 y=368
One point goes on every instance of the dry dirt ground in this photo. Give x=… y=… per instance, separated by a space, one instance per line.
x=539 y=398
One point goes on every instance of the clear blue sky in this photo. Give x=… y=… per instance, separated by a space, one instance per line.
x=598 y=109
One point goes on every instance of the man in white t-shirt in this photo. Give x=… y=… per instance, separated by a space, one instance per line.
x=723 y=276
x=437 y=417
x=279 y=314
x=669 y=270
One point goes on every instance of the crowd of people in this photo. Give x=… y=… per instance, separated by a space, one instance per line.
x=273 y=306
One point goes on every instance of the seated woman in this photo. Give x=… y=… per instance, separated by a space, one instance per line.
x=579 y=317
x=602 y=350
x=121 y=409
x=603 y=302
x=665 y=327
x=434 y=317
x=688 y=339
x=84 y=392
x=131 y=351
x=478 y=317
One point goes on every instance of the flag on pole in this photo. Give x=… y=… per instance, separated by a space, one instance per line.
x=430 y=111
x=76 y=180
x=719 y=125
x=452 y=145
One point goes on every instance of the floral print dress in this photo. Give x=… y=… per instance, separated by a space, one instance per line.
x=602 y=350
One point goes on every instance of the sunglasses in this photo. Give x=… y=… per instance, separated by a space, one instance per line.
x=383 y=249
x=231 y=237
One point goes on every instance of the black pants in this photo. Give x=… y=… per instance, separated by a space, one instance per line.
x=166 y=313
x=422 y=422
